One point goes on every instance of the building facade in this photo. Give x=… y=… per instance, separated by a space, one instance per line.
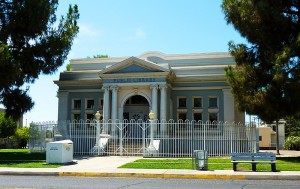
x=178 y=87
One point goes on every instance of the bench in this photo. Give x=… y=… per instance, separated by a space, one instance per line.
x=254 y=158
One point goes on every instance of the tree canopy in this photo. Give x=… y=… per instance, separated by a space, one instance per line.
x=266 y=79
x=32 y=42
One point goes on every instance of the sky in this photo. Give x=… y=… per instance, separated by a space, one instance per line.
x=120 y=28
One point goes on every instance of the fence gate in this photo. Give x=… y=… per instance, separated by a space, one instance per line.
x=133 y=138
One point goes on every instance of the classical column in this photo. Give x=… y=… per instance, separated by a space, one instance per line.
x=154 y=89
x=163 y=103
x=106 y=110
x=114 y=111
x=163 y=108
x=228 y=106
x=114 y=104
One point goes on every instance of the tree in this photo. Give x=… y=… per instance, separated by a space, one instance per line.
x=8 y=126
x=266 y=79
x=32 y=42
x=292 y=126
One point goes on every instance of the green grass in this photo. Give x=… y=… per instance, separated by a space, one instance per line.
x=22 y=158
x=283 y=164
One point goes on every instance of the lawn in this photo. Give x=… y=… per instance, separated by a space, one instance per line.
x=22 y=158
x=283 y=164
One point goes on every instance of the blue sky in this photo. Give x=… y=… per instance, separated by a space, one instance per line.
x=131 y=28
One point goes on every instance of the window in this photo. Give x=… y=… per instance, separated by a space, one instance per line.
x=90 y=116
x=213 y=102
x=76 y=117
x=182 y=116
x=101 y=103
x=213 y=117
x=89 y=104
x=197 y=116
x=182 y=102
x=197 y=102
x=138 y=99
x=76 y=104
x=260 y=138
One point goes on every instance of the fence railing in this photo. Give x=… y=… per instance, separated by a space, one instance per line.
x=134 y=137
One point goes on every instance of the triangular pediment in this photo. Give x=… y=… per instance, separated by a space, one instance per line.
x=134 y=65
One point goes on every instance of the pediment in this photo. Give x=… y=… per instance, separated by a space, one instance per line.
x=134 y=65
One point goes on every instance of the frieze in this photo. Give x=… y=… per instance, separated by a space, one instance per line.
x=134 y=80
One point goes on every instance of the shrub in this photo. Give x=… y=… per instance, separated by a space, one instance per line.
x=22 y=135
x=292 y=143
x=8 y=126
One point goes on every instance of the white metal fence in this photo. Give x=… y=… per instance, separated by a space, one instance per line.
x=168 y=138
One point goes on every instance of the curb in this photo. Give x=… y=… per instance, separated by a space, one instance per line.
x=155 y=175
x=29 y=173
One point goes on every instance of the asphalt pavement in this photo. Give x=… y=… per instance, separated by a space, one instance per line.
x=107 y=166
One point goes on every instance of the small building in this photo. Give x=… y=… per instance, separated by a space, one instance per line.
x=185 y=86
x=267 y=136
x=192 y=104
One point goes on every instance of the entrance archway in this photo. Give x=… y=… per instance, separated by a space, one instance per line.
x=136 y=108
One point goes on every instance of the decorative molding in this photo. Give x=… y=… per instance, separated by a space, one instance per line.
x=199 y=88
x=184 y=56
x=130 y=61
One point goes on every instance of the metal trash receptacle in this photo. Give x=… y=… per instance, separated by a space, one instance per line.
x=200 y=160
x=59 y=151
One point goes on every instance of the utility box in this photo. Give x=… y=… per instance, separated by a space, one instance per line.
x=59 y=151
x=200 y=159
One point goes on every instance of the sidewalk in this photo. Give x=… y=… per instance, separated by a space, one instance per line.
x=108 y=167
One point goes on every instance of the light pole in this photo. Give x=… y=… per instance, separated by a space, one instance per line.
x=151 y=148
x=97 y=116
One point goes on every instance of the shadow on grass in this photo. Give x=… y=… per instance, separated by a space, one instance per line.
x=289 y=159
x=22 y=155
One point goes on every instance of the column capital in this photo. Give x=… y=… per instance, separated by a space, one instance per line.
x=153 y=86
x=163 y=86
x=106 y=87
x=114 y=87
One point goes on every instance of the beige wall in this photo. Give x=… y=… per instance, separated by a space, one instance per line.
x=265 y=135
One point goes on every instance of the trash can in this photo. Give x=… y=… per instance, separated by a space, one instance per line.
x=59 y=151
x=200 y=160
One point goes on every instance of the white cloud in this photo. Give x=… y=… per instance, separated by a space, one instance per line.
x=137 y=35
x=87 y=31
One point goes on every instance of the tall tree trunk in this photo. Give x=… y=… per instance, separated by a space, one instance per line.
x=277 y=137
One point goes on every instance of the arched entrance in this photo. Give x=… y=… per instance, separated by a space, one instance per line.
x=136 y=108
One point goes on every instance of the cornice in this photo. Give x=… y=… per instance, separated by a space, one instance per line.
x=185 y=56
x=81 y=82
x=135 y=75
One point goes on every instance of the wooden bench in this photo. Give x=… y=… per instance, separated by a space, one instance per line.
x=254 y=158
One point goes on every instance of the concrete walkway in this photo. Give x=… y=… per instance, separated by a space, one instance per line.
x=108 y=167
